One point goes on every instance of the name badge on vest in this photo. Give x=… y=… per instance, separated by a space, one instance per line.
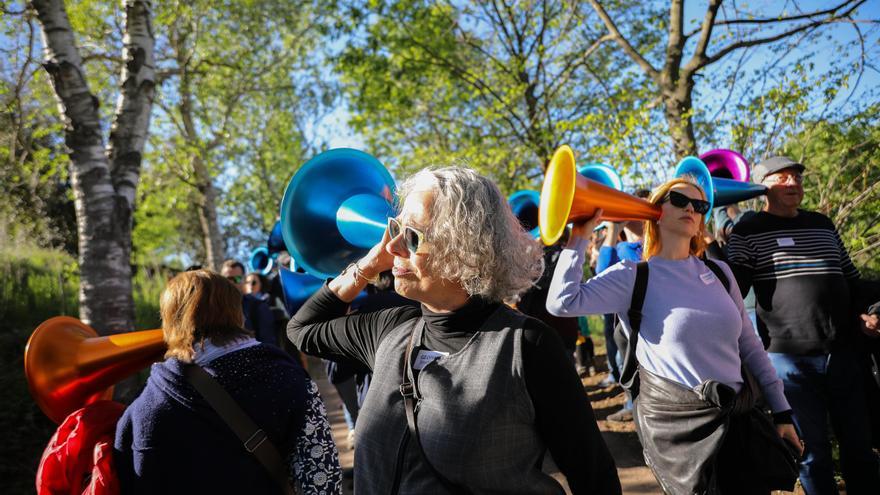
x=425 y=356
x=785 y=241
x=707 y=277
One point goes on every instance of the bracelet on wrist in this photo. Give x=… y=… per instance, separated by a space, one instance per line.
x=359 y=273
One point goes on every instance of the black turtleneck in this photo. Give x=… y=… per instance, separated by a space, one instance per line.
x=563 y=416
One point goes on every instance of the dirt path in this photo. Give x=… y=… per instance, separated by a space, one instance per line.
x=621 y=438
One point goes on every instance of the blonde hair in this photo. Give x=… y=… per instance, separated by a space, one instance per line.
x=475 y=238
x=199 y=305
x=653 y=243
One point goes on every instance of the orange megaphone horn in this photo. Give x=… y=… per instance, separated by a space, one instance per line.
x=68 y=365
x=568 y=196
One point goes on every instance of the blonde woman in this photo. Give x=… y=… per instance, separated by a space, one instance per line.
x=467 y=394
x=170 y=440
x=693 y=341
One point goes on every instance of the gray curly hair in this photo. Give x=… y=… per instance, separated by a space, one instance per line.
x=475 y=239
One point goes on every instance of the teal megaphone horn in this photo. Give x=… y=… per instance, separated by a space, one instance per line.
x=261 y=261
x=603 y=174
x=335 y=208
x=524 y=205
x=697 y=170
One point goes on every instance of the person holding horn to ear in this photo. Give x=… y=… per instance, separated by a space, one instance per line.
x=695 y=348
x=467 y=393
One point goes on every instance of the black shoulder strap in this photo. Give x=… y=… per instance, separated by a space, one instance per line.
x=629 y=372
x=634 y=314
x=252 y=437
x=718 y=273
x=408 y=391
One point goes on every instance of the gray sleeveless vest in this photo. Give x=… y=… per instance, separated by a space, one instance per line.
x=475 y=418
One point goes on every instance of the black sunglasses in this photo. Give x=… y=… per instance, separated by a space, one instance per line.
x=412 y=237
x=679 y=200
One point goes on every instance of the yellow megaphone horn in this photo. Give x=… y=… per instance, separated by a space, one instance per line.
x=568 y=196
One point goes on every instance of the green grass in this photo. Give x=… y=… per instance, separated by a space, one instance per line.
x=37 y=284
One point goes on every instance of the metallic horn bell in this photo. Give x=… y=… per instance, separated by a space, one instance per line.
x=602 y=173
x=68 y=366
x=697 y=170
x=730 y=177
x=335 y=208
x=261 y=261
x=524 y=204
x=567 y=196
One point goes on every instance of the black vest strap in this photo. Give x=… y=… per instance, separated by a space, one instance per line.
x=409 y=391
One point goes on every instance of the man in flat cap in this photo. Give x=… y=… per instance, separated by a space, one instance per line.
x=804 y=282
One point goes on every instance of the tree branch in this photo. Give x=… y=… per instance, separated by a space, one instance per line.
x=705 y=35
x=773 y=20
x=675 y=42
x=705 y=61
x=623 y=42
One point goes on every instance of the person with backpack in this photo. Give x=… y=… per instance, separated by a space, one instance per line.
x=700 y=363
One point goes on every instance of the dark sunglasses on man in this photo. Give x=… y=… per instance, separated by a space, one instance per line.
x=679 y=200
x=412 y=238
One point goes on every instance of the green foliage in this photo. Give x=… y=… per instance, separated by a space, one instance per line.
x=36 y=284
x=438 y=83
x=843 y=179
x=240 y=89
x=36 y=203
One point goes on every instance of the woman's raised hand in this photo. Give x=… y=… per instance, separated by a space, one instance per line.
x=378 y=259
x=585 y=228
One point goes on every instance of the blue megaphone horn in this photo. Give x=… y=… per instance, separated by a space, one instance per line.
x=730 y=177
x=298 y=287
x=524 y=204
x=603 y=174
x=335 y=208
x=261 y=261
x=697 y=170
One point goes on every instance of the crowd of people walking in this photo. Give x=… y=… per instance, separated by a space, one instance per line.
x=736 y=359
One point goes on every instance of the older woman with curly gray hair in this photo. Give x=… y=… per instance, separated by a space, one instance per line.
x=467 y=393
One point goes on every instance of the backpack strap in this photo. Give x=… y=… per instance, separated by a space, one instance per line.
x=716 y=269
x=634 y=313
x=629 y=372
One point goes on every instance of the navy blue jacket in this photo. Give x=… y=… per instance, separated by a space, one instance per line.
x=169 y=440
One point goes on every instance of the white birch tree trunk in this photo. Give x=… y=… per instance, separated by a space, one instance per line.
x=104 y=179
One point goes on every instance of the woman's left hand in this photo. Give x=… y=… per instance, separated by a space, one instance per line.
x=789 y=434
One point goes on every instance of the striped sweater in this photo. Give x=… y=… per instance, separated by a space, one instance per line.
x=802 y=276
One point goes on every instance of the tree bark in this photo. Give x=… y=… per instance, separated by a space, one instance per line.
x=678 y=111
x=206 y=200
x=103 y=180
x=207 y=209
